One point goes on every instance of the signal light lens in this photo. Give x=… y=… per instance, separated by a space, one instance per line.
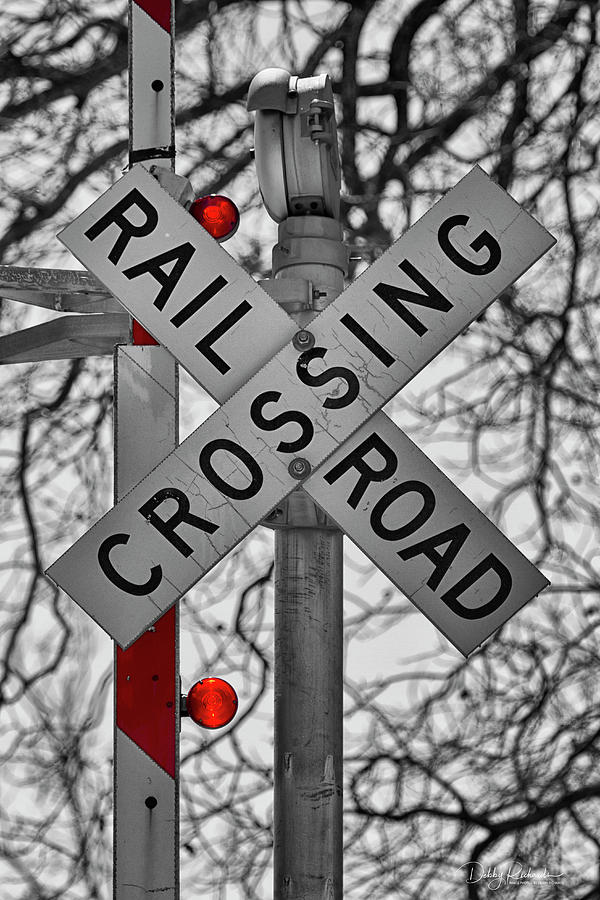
x=212 y=703
x=218 y=215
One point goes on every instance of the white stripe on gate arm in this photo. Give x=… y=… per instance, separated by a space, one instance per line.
x=424 y=534
x=146 y=847
x=212 y=490
x=151 y=67
x=146 y=411
x=175 y=279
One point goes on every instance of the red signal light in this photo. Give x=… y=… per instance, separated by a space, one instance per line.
x=212 y=703
x=217 y=214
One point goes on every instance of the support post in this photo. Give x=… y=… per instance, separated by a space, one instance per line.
x=146 y=779
x=308 y=770
x=308 y=713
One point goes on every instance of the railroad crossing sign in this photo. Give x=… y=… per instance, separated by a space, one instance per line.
x=301 y=408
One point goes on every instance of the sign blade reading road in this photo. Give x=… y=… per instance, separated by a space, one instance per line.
x=212 y=490
x=424 y=534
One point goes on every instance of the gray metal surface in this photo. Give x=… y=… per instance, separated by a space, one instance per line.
x=308 y=779
x=64 y=290
x=68 y=337
x=295 y=138
x=308 y=619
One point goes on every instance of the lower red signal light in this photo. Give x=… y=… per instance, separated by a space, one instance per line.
x=218 y=215
x=212 y=703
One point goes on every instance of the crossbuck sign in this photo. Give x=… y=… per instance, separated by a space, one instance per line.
x=301 y=413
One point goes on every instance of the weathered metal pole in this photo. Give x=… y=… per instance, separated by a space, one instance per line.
x=308 y=773
x=299 y=175
x=146 y=799
x=308 y=713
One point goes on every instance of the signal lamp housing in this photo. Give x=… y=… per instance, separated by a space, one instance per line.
x=211 y=703
x=218 y=215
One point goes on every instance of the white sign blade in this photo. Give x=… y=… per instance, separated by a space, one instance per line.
x=234 y=469
x=437 y=278
x=222 y=327
x=424 y=534
x=175 y=279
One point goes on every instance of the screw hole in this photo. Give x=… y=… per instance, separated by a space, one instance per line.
x=155 y=678
x=157 y=85
x=151 y=802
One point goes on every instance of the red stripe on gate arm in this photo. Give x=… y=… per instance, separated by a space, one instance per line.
x=141 y=336
x=145 y=694
x=159 y=10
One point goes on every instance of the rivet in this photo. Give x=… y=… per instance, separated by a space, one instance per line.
x=303 y=340
x=299 y=468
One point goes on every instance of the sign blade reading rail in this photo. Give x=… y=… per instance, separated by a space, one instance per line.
x=175 y=279
x=213 y=489
x=424 y=534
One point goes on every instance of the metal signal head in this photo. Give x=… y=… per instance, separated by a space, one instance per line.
x=218 y=215
x=212 y=703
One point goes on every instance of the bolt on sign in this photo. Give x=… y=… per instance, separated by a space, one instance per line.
x=293 y=414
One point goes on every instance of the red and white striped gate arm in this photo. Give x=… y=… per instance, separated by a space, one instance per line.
x=146 y=777
x=151 y=82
